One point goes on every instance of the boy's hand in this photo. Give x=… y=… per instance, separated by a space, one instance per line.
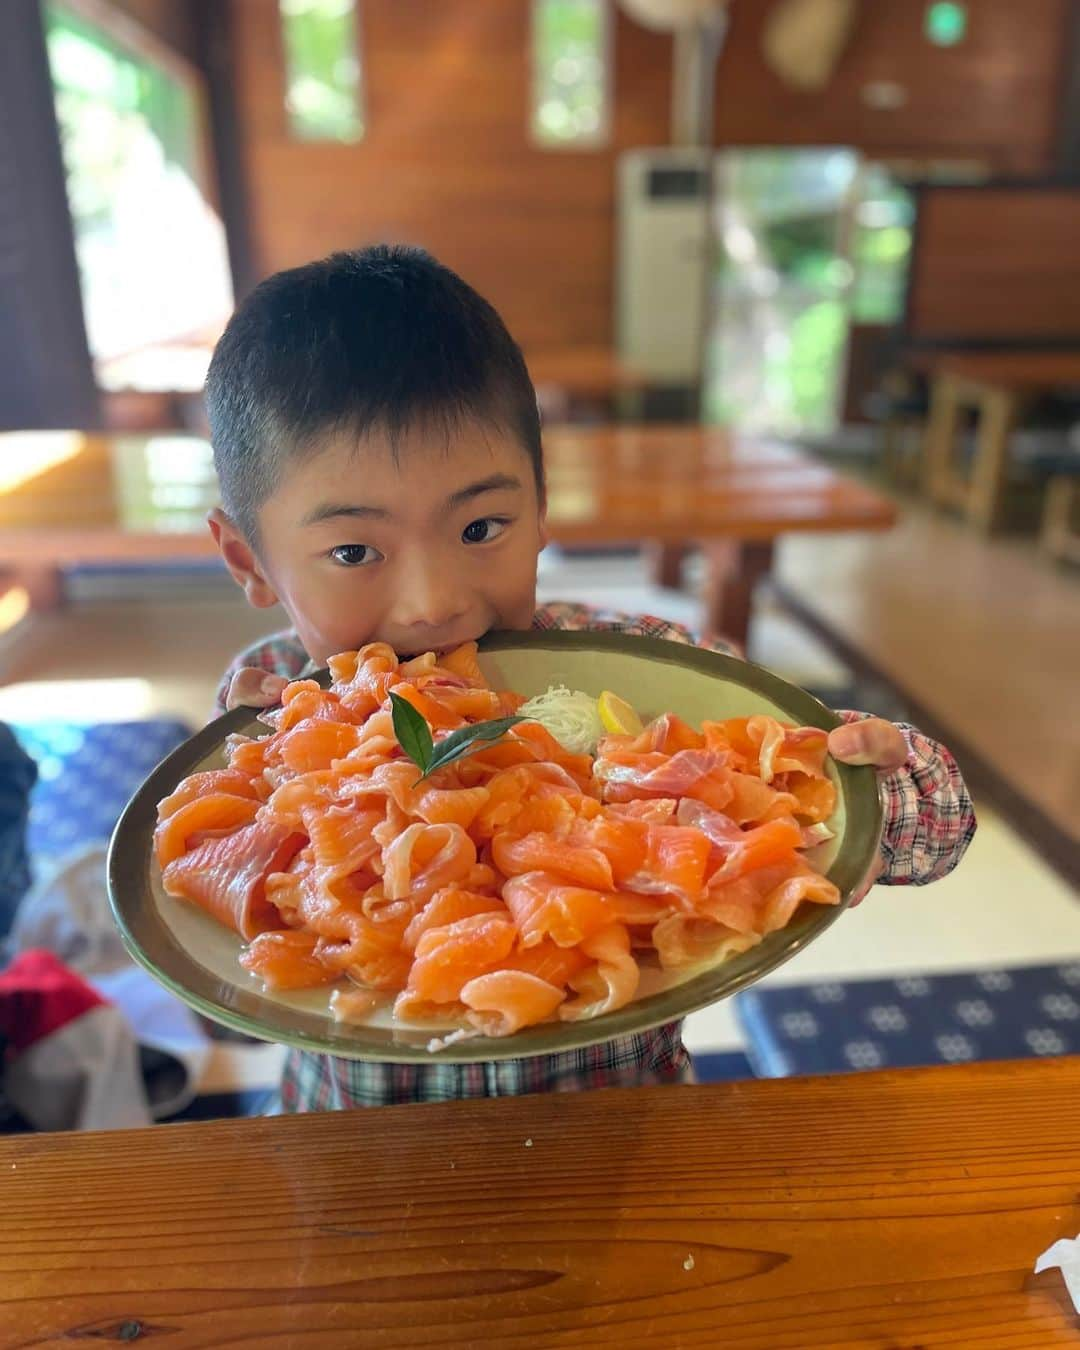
x=254 y=688
x=871 y=741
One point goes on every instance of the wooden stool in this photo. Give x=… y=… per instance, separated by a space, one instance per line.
x=1060 y=534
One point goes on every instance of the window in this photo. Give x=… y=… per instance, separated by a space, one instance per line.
x=153 y=264
x=881 y=247
x=570 y=56
x=322 y=69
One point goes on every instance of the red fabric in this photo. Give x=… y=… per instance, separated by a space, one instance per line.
x=38 y=996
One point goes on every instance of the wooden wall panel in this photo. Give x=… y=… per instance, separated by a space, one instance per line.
x=447 y=160
x=996 y=263
x=995 y=95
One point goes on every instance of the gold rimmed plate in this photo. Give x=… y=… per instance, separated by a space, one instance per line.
x=197 y=958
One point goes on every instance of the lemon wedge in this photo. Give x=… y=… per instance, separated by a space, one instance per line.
x=618 y=716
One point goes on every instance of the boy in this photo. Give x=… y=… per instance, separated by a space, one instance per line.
x=377 y=439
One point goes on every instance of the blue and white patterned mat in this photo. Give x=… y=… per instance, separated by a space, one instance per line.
x=87 y=774
x=918 y=1019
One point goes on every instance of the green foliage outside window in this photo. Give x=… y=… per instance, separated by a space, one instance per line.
x=322 y=69
x=569 y=54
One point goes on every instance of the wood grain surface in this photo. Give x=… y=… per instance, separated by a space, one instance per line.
x=882 y=1211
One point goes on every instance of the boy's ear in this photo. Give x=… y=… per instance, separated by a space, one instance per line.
x=545 y=533
x=241 y=561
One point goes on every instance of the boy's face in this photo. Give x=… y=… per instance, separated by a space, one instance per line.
x=425 y=548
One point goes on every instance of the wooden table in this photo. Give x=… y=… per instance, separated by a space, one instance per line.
x=680 y=486
x=140 y=498
x=582 y=380
x=995 y=385
x=894 y=1210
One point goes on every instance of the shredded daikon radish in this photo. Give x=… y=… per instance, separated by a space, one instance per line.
x=571 y=717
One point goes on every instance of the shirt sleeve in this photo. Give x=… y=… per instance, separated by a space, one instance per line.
x=929 y=815
x=280 y=654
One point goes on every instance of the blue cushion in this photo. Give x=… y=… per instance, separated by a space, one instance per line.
x=931 y=1019
x=87 y=774
x=715 y=1066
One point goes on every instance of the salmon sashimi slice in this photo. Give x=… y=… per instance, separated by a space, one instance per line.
x=735 y=850
x=288 y=800
x=450 y=806
x=764 y=845
x=732 y=737
x=675 y=863
x=815 y=798
x=543 y=906
x=437 y=715
x=212 y=782
x=804 y=884
x=227 y=877
x=784 y=749
x=610 y=983
x=342 y=841
x=202 y=818
x=666 y=734
x=354 y=1005
x=448 y=958
x=425 y=858
x=286 y=960
x=752 y=800
x=641 y=911
x=462 y=662
x=287 y=890
x=687 y=773
x=504 y=1001
x=446 y=907
x=366 y=962
x=250 y=757
x=681 y=941
x=539 y=852
x=410 y=1007
x=548 y=962
x=316 y=744
x=652 y=810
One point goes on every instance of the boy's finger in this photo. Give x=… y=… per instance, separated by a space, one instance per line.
x=872 y=741
x=253 y=688
x=864 y=890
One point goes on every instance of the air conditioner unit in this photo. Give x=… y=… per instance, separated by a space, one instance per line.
x=661 y=275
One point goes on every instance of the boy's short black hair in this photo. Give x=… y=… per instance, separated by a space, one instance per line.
x=381 y=338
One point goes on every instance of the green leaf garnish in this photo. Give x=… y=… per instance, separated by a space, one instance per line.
x=412 y=731
x=414 y=736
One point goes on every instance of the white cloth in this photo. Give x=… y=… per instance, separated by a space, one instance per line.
x=1065 y=1255
x=67 y=912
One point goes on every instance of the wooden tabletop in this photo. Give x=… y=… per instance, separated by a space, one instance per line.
x=108 y=498
x=1019 y=369
x=880 y=1210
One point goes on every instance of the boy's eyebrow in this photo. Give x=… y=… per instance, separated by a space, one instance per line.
x=498 y=482
x=331 y=510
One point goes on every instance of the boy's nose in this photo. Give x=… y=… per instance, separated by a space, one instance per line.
x=426 y=597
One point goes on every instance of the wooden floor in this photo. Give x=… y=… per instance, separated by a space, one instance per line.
x=985 y=634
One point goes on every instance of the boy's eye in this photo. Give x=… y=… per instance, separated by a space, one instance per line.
x=355 y=555
x=481 y=531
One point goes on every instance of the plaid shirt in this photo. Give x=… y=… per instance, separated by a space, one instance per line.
x=929 y=822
